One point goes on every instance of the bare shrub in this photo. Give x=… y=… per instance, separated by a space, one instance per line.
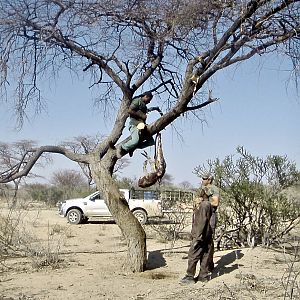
x=48 y=254
x=11 y=240
x=17 y=241
x=290 y=278
x=171 y=229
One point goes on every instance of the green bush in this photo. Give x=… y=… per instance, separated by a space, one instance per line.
x=256 y=207
x=50 y=194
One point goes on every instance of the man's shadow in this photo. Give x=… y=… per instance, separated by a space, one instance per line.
x=155 y=260
x=222 y=264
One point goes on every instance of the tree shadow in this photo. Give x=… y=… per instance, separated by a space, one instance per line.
x=226 y=260
x=108 y=220
x=160 y=221
x=155 y=260
x=99 y=221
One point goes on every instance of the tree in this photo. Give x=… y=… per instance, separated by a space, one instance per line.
x=84 y=145
x=11 y=154
x=68 y=178
x=71 y=184
x=186 y=185
x=169 y=47
x=167 y=180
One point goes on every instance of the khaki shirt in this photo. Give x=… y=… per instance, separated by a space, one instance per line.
x=207 y=192
x=137 y=105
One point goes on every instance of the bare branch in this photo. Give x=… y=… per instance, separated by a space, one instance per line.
x=207 y=102
x=26 y=164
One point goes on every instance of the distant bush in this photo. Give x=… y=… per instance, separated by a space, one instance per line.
x=50 y=194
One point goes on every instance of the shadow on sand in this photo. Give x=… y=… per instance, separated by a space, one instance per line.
x=155 y=260
x=226 y=260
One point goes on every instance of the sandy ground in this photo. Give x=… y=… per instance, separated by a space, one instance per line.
x=91 y=258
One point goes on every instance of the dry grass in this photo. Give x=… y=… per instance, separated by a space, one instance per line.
x=18 y=239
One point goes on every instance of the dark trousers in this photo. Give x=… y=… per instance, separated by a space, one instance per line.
x=213 y=223
x=199 y=251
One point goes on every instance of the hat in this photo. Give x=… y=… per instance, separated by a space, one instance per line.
x=206 y=175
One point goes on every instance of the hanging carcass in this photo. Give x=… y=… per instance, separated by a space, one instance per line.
x=158 y=166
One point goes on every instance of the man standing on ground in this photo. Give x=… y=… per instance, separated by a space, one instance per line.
x=211 y=192
x=138 y=114
x=201 y=243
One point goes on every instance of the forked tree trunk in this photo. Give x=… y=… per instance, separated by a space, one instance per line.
x=131 y=228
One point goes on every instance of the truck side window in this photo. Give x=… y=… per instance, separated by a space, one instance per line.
x=96 y=197
x=149 y=195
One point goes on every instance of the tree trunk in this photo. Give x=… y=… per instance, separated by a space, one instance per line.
x=131 y=228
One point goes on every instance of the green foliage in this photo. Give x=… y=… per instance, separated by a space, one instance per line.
x=51 y=194
x=255 y=206
x=44 y=193
x=126 y=183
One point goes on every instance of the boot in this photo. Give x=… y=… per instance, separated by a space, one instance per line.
x=187 y=279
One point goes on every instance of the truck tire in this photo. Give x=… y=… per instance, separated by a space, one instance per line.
x=141 y=216
x=74 y=216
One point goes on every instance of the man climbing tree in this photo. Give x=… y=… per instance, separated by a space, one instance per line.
x=139 y=136
x=128 y=47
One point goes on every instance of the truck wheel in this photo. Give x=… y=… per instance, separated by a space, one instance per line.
x=74 y=216
x=141 y=216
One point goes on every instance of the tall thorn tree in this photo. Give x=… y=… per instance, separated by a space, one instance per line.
x=130 y=46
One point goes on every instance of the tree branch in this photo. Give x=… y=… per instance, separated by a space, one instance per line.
x=207 y=102
x=150 y=70
x=24 y=167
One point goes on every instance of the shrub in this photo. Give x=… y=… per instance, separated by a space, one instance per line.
x=256 y=207
x=52 y=194
x=17 y=241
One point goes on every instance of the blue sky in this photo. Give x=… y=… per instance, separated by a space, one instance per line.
x=258 y=109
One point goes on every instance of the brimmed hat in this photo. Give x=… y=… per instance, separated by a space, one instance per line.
x=206 y=175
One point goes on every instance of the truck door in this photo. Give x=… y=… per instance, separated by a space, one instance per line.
x=96 y=206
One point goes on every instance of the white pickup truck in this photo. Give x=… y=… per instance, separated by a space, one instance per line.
x=79 y=210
